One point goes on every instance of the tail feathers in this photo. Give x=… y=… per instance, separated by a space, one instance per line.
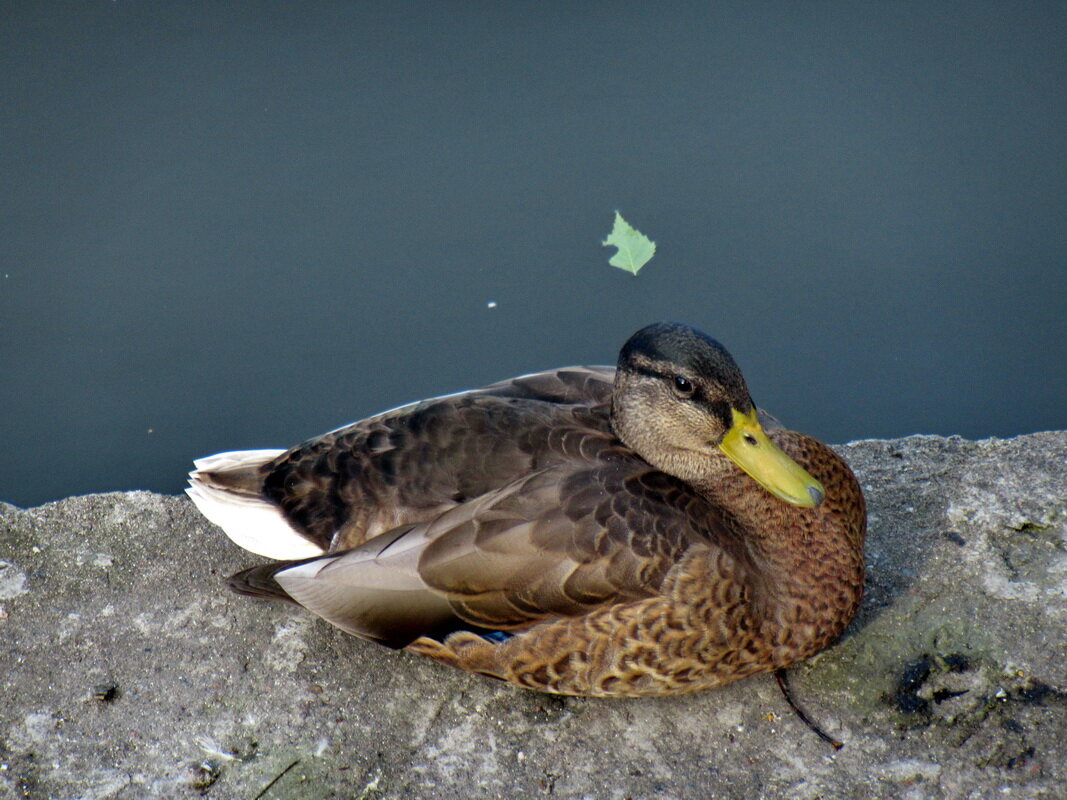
x=235 y=458
x=259 y=581
x=226 y=489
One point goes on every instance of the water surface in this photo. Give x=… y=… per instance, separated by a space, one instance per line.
x=235 y=226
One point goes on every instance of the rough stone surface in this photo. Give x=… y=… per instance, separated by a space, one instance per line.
x=129 y=671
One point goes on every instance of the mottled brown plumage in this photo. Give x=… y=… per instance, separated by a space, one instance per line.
x=579 y=531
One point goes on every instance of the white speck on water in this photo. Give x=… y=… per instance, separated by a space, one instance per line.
x=12 y=581
x=491 y=304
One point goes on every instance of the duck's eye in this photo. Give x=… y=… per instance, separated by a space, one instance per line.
x=684 y=387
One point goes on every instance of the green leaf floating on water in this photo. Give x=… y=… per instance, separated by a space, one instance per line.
x=635 y=249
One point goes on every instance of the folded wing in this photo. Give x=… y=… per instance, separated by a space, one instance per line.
x=556 y=543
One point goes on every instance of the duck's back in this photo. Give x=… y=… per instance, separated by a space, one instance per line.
x=417 y=461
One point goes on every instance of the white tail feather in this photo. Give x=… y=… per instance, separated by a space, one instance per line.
x=252 y=523
x=235 y=458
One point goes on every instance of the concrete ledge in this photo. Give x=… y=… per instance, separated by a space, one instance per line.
x=129 y=671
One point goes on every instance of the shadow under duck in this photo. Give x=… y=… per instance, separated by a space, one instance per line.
x=635 y=531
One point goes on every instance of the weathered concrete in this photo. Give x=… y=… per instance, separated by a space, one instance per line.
x=129 y=671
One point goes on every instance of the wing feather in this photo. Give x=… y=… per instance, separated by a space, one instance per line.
x=556 y=543
x=412 y=463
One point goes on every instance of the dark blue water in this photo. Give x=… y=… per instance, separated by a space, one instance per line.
x=237 y=226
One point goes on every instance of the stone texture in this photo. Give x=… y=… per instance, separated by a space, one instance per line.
x=129 y=671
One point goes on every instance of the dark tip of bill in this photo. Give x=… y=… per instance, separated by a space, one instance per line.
x=816 y=495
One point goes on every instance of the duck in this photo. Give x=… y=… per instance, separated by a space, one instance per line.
x=634 y=531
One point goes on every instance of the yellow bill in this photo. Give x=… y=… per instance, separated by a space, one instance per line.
x=751 y=449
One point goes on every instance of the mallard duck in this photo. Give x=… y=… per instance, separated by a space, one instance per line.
x=636 y=531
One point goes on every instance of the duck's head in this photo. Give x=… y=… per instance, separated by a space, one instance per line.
x=681 y=402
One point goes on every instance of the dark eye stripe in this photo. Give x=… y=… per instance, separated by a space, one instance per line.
x=721 y=409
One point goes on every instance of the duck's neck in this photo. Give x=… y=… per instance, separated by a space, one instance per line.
x=774 y=531
x=810 y=556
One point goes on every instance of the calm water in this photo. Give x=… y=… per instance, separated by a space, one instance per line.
x=235 y=227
